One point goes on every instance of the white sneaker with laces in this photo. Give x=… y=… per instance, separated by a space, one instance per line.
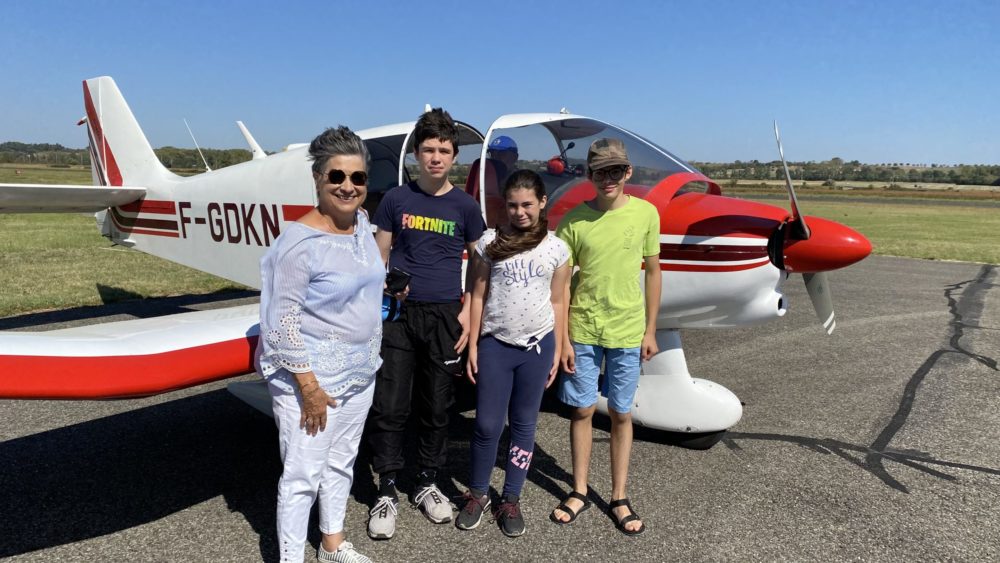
x=345 y=554
x=432 y=501
x=382 y=519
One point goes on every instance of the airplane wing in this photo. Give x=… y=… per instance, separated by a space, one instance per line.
x=129 y=358
x=57 y=198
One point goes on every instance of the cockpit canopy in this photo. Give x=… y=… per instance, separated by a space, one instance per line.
x=554 y=145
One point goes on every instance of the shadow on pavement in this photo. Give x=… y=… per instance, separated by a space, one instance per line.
x=103 y=476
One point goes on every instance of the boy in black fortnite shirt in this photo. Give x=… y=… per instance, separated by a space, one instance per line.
x=422 y=228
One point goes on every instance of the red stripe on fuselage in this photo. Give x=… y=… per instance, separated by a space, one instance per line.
x=103 y=149
x=707 y=268
x=160 y=207
x=710 y=268
x=711 y=252
x=131 y=222
x=131 y=230
x=105 y=377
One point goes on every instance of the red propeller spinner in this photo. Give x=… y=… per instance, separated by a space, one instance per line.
x=830 y=246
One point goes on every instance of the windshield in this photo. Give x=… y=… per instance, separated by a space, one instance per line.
x=557 y=150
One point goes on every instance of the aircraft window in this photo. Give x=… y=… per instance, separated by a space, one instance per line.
x=557 y=150
x=467 y=154
x=536 y=147
x=650 y=163
x=383 y=168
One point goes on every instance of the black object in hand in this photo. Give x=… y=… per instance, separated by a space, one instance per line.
x=396 y=280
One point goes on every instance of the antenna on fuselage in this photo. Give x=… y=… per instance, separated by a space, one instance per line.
x=207 y=168
x=255 y=151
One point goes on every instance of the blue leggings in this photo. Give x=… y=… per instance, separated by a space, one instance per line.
x=510 y=383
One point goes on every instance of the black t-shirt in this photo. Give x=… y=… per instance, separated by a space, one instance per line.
x=429 y=236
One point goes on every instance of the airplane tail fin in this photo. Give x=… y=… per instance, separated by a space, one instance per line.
x=120 y=155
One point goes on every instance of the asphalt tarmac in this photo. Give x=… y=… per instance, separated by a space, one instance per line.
x=879 y=443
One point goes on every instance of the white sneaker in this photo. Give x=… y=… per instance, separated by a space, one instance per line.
x=431 y=500
x=345 y=554
x=382 y=519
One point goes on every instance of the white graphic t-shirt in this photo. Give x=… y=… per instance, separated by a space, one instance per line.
x=518 y=309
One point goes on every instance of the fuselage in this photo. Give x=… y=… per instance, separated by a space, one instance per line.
x=713 y=249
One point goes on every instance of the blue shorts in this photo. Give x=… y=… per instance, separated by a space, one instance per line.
x=620 y=381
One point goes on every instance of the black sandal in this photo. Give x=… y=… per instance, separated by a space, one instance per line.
x=620 y=524
x=572 y=514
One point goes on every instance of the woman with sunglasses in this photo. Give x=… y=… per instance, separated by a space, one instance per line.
x=519 y=278
x=320 y=332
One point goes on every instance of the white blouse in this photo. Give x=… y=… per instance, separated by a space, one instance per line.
x=321 y=308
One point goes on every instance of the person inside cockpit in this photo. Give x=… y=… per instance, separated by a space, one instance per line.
x=503 y=152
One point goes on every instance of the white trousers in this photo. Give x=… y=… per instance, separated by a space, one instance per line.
x=320 y=465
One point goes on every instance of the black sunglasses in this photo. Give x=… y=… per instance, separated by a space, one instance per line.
x=359 y=178
x=616 y=173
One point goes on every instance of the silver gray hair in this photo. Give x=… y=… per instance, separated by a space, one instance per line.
x=336 y=141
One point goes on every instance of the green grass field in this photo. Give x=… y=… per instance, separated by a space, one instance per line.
x=57 y=261
x=50 y=261
x=41 y=174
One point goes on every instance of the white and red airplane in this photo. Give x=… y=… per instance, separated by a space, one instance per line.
x=724 y=260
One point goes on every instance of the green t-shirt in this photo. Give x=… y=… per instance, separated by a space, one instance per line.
x=607 y=307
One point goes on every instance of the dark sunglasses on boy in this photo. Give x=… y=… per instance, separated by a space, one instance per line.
x=615 y=173
x=359 y=178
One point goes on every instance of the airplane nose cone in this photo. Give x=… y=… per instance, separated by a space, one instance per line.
x=830 y=246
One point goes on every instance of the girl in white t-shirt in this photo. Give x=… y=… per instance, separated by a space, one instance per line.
x=519 y=275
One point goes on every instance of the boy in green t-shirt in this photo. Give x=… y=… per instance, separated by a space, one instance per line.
x=610 y=320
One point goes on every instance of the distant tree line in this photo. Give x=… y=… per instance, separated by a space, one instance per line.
x=835 y=169
x=171 y=157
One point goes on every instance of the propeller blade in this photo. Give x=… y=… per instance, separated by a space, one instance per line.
x=819 y=293
x=801 y=230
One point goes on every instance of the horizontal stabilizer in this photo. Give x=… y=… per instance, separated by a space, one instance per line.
x=56 y=198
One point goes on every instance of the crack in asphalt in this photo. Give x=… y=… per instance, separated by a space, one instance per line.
x=965 y=313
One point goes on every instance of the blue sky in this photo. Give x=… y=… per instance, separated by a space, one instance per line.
x=913 y=81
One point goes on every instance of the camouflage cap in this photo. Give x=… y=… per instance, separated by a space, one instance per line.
x=607 y=152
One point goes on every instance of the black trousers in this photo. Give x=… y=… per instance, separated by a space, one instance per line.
x=418 y=365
